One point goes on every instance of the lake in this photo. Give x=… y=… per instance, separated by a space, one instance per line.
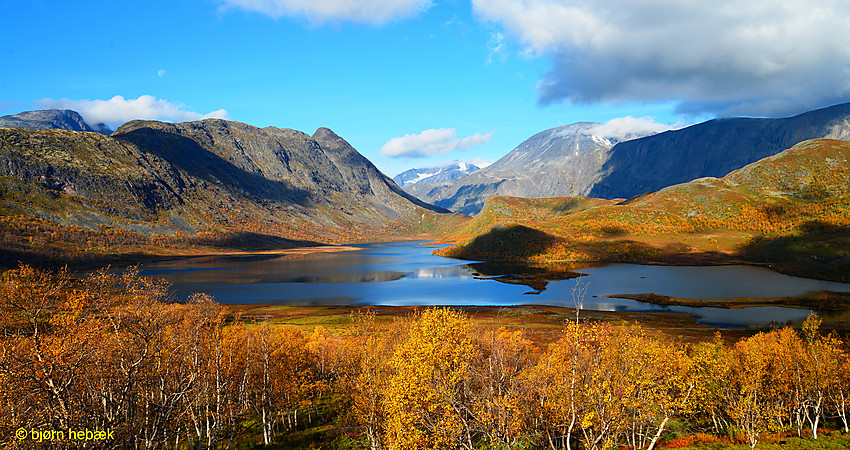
x=406 y=273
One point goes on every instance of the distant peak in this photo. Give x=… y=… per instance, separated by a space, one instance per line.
x=64 y=119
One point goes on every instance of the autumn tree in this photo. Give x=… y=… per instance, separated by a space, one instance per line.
x=367 y=377
x=821 y=357
x=45 y=347
x=710 y=369
x=283 y=374
x=425 y=400
x=557 y=384
x=839 y=391
x=750 y=393
x=500 y=396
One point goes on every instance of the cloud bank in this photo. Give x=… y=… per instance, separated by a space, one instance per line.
x=319 y=11
x=117 y=110
x=431 y=142
x=626 y=128
x=726 y=57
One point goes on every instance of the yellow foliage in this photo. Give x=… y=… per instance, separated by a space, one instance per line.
x=424 y=397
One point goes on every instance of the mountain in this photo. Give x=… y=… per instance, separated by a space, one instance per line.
x=791 y=210
x=431 y=175
x=52 y=119
x=214 y=181
x=711 y=149
x=560 y=161
x=573 y=160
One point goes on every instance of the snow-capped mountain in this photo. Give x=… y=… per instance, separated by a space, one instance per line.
x=429 y=175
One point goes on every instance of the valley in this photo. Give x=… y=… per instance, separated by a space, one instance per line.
x=425 y=225
x=290 y=262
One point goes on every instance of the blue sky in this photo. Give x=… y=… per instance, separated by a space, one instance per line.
x=425 y=80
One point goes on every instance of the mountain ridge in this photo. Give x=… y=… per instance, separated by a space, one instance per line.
x=551 y=163
x=431 y=175
x=713 y=148
x=542 y=165
x=210 y=180
x=790 y=210
x=61 y=119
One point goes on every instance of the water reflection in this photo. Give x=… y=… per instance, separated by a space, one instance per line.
x=536 y=277
x=407 y=274
x=441 y=272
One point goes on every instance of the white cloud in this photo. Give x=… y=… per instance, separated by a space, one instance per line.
x=496 y=46
x=477 y=162
x=625 y=128
x=118 y=110
x=320 y=11
x=481 y=162
x=758 y=57
x=431 y=142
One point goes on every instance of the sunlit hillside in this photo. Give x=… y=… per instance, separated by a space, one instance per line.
x=212 y=185
x=798 y=199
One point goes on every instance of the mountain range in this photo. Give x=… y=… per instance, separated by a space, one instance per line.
x=791 y=210
x=153 y=186
x=47 y=119
x=431 y=175
x=578 y=160
x=213 y=178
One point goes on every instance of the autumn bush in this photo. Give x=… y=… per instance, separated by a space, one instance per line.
x=113 y=351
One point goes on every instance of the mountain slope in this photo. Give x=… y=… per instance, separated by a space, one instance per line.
x=791 y=210
x=572 y=160
x=711 y=149
x=565 y=160
x=211 y=182
x=50 y=119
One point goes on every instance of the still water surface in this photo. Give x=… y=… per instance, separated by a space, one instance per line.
x=407 y=274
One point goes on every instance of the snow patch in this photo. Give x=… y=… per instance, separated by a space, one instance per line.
x=422 y=176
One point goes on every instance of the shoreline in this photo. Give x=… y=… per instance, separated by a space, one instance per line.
x=824 y=301
x=543 y=323
x=295 y=252
x=124 y=260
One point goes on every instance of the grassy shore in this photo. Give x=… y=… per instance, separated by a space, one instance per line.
x=543 y=324
x=824 y=301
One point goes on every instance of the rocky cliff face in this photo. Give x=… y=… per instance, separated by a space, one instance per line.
x=155 y=177
x=711 y=149
x=572 y=160
x=52 y=119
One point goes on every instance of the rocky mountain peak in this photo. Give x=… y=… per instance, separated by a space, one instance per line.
x=52 y=119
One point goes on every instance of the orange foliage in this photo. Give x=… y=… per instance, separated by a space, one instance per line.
x=111 y=351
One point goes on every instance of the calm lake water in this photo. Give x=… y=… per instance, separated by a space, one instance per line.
x=407 y=274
